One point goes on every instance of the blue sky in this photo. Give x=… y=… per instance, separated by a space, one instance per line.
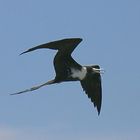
x=111 y=38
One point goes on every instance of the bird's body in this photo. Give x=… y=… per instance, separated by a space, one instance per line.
x=67 y=69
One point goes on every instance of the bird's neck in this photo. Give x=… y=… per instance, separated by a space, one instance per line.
x=79 y=74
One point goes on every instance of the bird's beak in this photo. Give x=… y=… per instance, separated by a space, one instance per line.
x=100 y=71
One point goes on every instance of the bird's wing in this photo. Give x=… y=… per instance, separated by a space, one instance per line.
x=34 y=87
x=92 y=86
x=63 y=64
x=63 y=59
x=65 y=45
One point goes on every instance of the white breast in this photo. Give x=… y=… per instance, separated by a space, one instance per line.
x=80 y=74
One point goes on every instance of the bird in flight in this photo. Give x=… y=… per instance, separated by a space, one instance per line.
x=67 y=69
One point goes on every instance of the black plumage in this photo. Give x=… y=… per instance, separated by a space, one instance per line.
x=67 y=69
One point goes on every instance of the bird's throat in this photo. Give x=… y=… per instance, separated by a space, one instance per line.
x=79 y=74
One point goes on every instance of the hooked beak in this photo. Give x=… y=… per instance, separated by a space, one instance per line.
x=100 y=71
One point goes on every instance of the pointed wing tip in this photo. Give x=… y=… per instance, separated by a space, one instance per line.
x=18 y=93
x=75 y=39
x=13 y=94
x=31 y=49
x=98 y=107
x=80 y=39
x=99 y=110
x=21 y=53
x=24 y=52
x=27 y=90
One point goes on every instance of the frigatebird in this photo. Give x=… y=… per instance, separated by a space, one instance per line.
x=67 y=69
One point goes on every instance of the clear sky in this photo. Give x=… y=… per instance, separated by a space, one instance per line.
x=111 y=38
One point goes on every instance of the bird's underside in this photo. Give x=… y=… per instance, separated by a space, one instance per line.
x=67 y=69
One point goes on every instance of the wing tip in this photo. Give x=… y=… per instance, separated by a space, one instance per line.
x=23 y=53
x=75 y=39
x=29 y=50
x=99 y=110
x=98 y=107
x=80 y=39
x=42 y=46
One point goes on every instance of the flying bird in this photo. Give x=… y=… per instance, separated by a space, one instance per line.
x=67 y=69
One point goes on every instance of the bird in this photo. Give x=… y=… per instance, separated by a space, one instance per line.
x=67 y=69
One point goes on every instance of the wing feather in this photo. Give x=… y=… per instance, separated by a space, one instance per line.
x=65 y=45
x=92 y=87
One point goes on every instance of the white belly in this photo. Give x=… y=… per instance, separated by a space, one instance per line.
x=80 y=74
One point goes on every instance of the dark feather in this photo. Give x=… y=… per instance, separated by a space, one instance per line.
x=65 y=45
x=92 y=87
x=62 y=60
x=63 y=63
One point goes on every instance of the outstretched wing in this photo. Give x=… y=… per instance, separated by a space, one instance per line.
x=65 y=45
x=92 y=86
x=63 y=59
